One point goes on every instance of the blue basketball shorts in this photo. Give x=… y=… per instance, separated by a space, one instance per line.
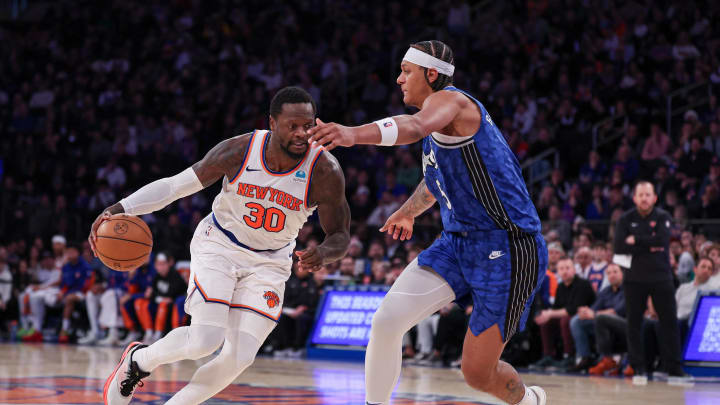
x=497 y=271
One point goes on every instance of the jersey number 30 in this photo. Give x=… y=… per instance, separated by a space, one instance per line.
x=272 y=219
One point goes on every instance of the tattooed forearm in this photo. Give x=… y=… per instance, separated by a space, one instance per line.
x=419 y=201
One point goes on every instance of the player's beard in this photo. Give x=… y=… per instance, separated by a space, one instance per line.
x=297 y=156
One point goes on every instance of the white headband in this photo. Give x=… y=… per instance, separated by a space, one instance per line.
x=425 y=60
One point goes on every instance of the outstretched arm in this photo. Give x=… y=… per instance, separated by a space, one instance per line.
x=328 y=192
x=438 y=111
x=219 y=161
x=400 y=223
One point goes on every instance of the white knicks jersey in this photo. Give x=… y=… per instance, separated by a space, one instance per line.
x=262 y=209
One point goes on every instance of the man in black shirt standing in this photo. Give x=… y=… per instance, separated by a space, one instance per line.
x=643 y=235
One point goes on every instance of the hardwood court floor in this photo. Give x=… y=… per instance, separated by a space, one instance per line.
x=57 y=374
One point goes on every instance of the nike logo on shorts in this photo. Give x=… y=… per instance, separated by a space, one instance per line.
x=495 y=254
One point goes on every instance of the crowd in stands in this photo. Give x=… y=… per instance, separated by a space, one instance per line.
x=141 y=90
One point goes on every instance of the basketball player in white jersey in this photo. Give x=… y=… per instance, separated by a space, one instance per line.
x=241 y=254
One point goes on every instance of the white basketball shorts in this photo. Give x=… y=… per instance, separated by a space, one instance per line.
x=225 y=277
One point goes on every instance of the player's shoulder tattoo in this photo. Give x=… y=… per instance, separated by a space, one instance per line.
x=328 y=180
x=223 y=159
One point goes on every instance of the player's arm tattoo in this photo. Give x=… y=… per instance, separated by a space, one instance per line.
x=328 y=192
x=420 y=200
x=222 y=160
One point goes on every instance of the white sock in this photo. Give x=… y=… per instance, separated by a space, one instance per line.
x=530 y=398
x=65 y=325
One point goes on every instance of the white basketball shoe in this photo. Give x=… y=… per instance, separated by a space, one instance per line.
x=121 y=384
x=540 y=394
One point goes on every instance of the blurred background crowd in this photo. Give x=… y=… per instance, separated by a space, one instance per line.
x=591 y=96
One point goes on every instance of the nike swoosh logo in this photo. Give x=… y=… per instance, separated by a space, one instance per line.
x=252 y=170
x=495 y=255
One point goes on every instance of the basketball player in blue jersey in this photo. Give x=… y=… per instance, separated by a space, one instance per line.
x=272 y=181
x=490 y=253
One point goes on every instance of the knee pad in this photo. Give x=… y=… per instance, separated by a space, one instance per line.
x=203 y=340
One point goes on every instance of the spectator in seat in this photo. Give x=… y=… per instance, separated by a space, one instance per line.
x=583 y=262
x=596 y=276
x=607 y=314
x=714 y=255
x=74 y=282
x=102 y=307
x=347 y=269
x=556 y=222
x=155 y=309
x=6 y=287
x=573 y=292
x=298 y=313
x=140 y=280
x=686 y=293
x=447 y=345
x=695 y=163
x=555 y=254
x=43 y=291
x=594 y=171
x=386 y=206
x=59 y=243
x=656 y=146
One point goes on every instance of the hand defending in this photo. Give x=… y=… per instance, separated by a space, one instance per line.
x=399 y=225
x=331 y=135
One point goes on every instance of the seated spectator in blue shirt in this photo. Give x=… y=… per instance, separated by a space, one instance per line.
x=73 y=284
x=605 y=319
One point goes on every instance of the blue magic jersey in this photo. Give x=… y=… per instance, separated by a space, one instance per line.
x=477 y=180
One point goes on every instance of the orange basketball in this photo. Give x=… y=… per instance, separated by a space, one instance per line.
x=124 y=242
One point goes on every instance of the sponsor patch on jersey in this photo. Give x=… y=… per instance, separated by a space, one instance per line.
x=300 y=174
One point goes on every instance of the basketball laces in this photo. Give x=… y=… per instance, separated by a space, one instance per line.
x=134 y=378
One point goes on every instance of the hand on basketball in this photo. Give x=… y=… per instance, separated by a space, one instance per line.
x=399 y=225
x=331 y=135
x=93 y=229
x=311 y=259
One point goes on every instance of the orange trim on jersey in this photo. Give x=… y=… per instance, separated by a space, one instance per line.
x=309 y=177
x=247 y=156
x=232 y=306
x=279 y=174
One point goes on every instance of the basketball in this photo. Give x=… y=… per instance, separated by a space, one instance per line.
x=124 y=242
